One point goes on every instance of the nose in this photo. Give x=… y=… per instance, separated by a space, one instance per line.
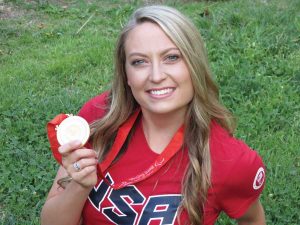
x=157 y=73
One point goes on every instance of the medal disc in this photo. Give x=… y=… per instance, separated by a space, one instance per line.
x=73 y=128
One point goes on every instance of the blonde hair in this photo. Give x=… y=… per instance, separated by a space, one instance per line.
x=204 y=107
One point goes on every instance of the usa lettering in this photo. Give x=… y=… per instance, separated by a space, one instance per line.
x=160 y=208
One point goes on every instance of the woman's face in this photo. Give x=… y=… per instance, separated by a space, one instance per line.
x=156 y=71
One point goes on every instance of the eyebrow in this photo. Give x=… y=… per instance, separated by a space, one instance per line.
x=162 y=53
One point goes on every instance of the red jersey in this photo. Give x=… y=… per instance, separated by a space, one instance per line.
x=237 y=179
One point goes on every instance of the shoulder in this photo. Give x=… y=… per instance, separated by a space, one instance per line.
x=238 y=173
x=95 y=108
x=229 y=151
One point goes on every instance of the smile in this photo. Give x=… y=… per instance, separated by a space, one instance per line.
x=161 y=91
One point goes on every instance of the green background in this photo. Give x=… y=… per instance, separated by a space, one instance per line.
x=49 y=66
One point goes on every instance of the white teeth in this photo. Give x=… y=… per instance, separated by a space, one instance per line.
x=161 y=92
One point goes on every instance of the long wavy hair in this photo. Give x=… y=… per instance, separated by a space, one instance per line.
x=204 y=107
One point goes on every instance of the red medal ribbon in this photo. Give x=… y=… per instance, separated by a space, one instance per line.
x=122 y=134
x=51 y=132
x=119 y=140
x=172 y=148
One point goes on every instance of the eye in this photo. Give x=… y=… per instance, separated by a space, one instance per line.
x=137 y=62
x=172 y=58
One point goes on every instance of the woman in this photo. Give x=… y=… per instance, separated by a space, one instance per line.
x=162 y=150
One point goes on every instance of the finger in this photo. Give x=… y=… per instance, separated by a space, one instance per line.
x=69 y=159
x=84 y=153
x=79 y=154
x=79 y=159
x=69 y=147
x=79 y=176
x=83 y=163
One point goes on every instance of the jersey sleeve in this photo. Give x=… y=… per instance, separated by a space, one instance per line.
x=95 y=108
x=244 y=182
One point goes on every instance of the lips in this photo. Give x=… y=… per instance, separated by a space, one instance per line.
x=161 y=91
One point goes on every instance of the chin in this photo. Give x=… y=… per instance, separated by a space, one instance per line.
x=166 y=110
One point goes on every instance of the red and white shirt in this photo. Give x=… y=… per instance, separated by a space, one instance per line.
x=237 y=178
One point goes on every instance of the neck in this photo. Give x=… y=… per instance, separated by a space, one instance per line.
x=160 y=128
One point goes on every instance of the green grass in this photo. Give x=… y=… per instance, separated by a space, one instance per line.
x=46 y=68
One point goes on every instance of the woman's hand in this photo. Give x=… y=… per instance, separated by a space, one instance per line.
x=80 y=163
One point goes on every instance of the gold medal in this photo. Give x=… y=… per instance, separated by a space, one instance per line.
x=71 y=129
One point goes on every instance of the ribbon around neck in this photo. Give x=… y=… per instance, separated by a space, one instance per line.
x=172 y=148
